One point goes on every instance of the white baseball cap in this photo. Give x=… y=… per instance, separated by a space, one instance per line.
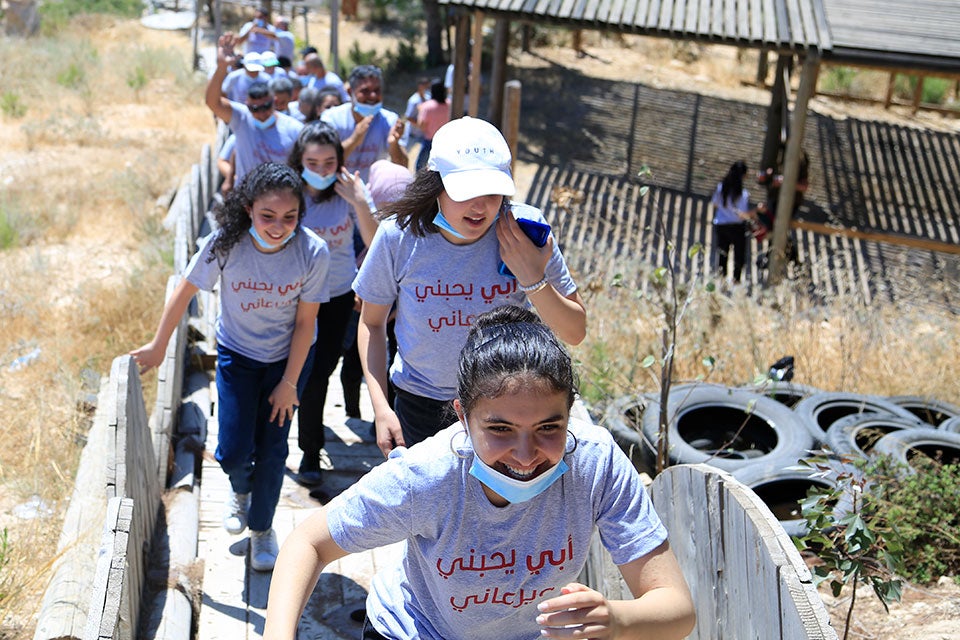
x=269 y=59
x=252 y=62
x=472 y=158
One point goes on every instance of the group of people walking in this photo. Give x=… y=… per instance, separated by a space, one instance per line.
x=472 y=411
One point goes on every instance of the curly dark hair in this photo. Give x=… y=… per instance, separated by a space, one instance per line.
x=233 y=215
x=322 y=133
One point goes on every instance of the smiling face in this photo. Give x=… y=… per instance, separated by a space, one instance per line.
x=521 y=433
x=471 y=218
x=320 y=158
x=275 y=216
x=366 y=91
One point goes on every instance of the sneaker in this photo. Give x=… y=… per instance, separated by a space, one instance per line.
x=309 y=474
x=263 y=550
x=235 y=518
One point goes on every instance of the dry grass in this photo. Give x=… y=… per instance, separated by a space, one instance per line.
x=84 y=267
x=838 y=346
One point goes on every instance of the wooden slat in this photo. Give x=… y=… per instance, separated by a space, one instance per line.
x=704 y=17
x=769 y=22
x=729 y=19
x=679 y=15
x=692 y=15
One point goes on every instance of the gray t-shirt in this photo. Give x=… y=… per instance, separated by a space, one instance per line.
x=256 y=146
x=374 y=145
x=439 y=288
x=473 y=570
x=259 y=292
x=334 y=220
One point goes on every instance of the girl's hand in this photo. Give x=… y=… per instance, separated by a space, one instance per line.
x=527 y=261
x=148 y=356
x=579 y=605
x=351 y=188
x=284 y=401
x=389 y=433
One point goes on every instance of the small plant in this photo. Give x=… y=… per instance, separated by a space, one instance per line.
x=851 y=532
x=11 y=105
x=838 y=79
x=137 y=80
x=73 y=77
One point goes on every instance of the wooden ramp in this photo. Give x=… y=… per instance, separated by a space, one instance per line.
x=234 y=596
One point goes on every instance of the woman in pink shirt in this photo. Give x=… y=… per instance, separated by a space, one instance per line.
x=431 y=115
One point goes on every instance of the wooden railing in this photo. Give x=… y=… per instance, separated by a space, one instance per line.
x=122 y=571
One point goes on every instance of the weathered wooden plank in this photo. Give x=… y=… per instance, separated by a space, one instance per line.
x=769 y=12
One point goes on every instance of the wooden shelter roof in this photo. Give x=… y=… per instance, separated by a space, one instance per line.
x=912 y=34
x=905 y=34
x=776 y=24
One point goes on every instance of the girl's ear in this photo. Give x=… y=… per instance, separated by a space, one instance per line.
x=459 y=409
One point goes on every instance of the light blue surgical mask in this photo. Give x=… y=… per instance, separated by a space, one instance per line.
x=266 y=124
x=441 y=221
x=266 y=245
x=367 y=109
x=510 y=489
x=318 y=181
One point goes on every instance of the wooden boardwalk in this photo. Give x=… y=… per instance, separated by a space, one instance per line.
x=234 y=596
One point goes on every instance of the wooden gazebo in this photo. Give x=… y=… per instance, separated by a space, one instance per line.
x=898 y=35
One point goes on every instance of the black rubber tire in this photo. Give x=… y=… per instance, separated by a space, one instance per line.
x=786 y=393
x=904 y=446
x=950 y=426
x=623 y=419
x=705 y=417
x=781 y=489
x=857 y=434
x=929 y=410
x=820 y=410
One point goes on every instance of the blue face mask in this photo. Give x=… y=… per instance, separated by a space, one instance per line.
x=510 y=489
x=318 y=181
x=266 y=124
x=441 y=221
x=266 y=245
x=367 y=109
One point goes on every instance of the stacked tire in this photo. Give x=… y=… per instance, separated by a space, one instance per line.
x=760 y=432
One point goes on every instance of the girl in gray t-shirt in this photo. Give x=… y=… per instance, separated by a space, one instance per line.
x=273 y=277
x=436 y=258
x=497 y=513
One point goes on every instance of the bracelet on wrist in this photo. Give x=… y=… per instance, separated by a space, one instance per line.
x=533 y=288
x=284 y=378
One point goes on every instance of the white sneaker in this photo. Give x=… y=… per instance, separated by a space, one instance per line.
x=263 y=550
x=235 y=516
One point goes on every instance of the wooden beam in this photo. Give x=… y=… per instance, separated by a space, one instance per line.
x=511 y=118
x=459 y=63
x=476 y=62
x=913 y=242
x=498 y=75
x=781 y=228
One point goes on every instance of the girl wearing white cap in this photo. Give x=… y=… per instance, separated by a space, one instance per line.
x=436 y=256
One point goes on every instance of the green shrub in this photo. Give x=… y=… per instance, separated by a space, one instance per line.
x=9 y=236
x=73 y=77
x=926 y=506
x=838 y=79
x=55 y=15
x=11 y=105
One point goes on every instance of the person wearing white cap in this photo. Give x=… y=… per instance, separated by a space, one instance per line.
x=236 y=83
x=436 y=255
x=263 y=134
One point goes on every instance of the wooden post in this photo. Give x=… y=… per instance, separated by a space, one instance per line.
x=306 y=27
x=791 y=167
x=763 y=66
x=526 y=34
x=334 y=34
x=459 y=62
x=476 y=62
x=890 y=86
x=511 y=118
x=498 y=75
x=918 y=94
x=577 y=42
x=776 y=122
x=217 y=20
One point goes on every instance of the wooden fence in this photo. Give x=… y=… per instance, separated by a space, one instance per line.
x=126 y=559
x=747 y=578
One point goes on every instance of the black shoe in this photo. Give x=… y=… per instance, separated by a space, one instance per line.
x=309 y=474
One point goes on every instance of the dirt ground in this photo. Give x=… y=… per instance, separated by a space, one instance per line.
x=162 y=121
